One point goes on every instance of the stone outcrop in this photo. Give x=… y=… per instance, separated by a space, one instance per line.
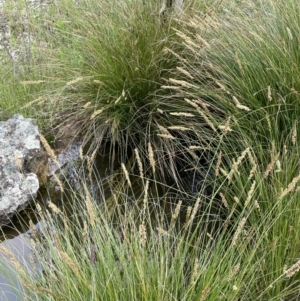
x=19 y=143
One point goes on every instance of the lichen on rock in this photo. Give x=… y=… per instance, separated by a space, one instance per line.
x=19 y=140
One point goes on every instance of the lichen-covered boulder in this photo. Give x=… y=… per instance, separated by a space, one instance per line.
x=19 y=142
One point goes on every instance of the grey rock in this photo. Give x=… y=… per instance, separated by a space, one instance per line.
x=68 y=167
x=176 y=4
x=19 y=139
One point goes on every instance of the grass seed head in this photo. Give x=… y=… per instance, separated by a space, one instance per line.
x=126 y=174
x=269 y=93
x=151 y=157
x=224 y=201
x=241 y=107
x=143 y=234
x=67 y=259
x=195 y=270
x=185 y=72
x=176 y=213
x=236 y=164
x=87 y=104
x=205 y=293
x=234 y=271
x=81 y=152
x=58 y=182
x=193 y=214
x=219 y=161
x=182 y=114
x=188 y=214
x=89 y=168
x=145 y=201
x=89 y=206
x=13 y=260
x=176 y=88
x=256 y=205
x=40 y=211
x=271 y=165
x=209 y=236
x=294 y=134
x=238 y=231
x=289 y=33
x=236 y=199
x=139 y=162
x=84 y=233
x=32 y=229
x=252 y=172
x=72 y=82
x=166 y=136
x=238 y=105
x=290 y=187
x=49 y=150
x=166 y=49
x=32 y=82
x=203 y=105
x=226 y=127
x=192 y=103
x=96 y=113
x=54 y=208
x=295 y=268
x=161 y=231
x=178 y=128
x=205 y=117
x=250 y=194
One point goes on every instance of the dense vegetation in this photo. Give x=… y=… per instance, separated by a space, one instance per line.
x=198 y=114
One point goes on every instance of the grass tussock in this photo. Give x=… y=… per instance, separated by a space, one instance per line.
x=199 y=114
x=150 y=250
x=117 y=83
